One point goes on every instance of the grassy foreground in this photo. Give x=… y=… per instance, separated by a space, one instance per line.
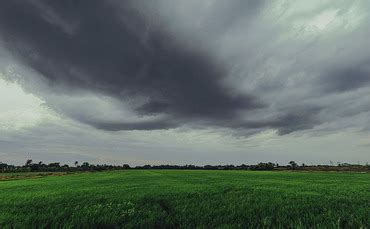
x=167 y=198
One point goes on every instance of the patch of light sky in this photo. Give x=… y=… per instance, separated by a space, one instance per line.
x=18 y=109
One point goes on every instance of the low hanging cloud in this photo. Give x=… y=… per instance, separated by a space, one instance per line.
x=342 y=80
x=92 y=46
x=243 y=65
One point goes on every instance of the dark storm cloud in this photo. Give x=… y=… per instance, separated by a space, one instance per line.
x=144 y=125
x=296 y=120
x=222 y=16
x=130 y=51
x=342 y=80
x=299 y=118
x=92 y=45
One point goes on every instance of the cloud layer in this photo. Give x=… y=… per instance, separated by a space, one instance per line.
x=242 y=68
x=121 y=54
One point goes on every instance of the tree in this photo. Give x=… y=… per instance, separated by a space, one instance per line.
x=147 y=167
x=293 y=164
x=34 y=167
x=263 y=166
x=76 y=163
x=3 y=166
x=54 y=165
x=28 y=162
x=126 y=166
x=85 y=165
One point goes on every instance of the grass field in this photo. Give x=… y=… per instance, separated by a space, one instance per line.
x=28 y=175
x=167 y=198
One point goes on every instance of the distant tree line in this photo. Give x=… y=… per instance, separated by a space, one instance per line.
x=30 y=166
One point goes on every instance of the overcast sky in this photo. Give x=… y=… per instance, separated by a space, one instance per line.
x=185 y=81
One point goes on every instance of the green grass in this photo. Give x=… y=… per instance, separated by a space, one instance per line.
x=203 y=199
x=27 y=175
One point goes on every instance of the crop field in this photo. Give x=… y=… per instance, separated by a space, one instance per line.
x=186 y=199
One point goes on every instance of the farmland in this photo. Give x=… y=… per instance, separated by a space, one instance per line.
x=186 y=198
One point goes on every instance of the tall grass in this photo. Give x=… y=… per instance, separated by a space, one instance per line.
x=187 y=199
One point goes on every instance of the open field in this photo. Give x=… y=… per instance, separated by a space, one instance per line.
x=28 y=175
x=174 y=198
